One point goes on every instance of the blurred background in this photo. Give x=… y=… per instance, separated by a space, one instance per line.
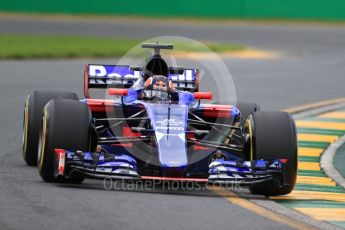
x=279 y=54
x=264 y=9
x=274 y=50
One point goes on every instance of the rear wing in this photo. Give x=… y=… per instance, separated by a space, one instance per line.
x=122 y=76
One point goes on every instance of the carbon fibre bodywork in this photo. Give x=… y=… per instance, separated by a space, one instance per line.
x=142 y=131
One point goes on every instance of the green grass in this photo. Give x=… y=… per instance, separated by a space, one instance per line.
x=51 y=46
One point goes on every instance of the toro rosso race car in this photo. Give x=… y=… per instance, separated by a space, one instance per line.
x=153 y=126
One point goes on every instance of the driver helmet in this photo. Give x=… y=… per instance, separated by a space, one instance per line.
x=159 y=82
x=158 y=86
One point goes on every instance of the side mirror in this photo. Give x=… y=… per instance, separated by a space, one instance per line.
x=118 y=91
x=203 y=95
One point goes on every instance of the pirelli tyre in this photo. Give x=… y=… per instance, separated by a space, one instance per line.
x=33 y=110
x=273 y=136
x=66 y=125
x=246 y=109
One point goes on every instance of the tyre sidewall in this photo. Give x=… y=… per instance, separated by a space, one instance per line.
x=274 y=137
x=35 y=102
x=67 y=127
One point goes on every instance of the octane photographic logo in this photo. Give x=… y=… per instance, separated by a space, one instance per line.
x=166 y=138
x=156 y=185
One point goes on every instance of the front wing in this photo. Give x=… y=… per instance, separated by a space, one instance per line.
x=124 y=167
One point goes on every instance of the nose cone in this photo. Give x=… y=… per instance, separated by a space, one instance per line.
x=169 y=123
x=172 y=149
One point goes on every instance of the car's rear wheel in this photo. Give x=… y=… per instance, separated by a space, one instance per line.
x=246 y=109
x=33 y=109
x=273 y=136
x=66 y=125
x=217 y=133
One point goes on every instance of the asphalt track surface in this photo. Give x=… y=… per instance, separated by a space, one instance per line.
x=311 y=68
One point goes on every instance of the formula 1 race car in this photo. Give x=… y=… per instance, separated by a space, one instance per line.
x=153 y=126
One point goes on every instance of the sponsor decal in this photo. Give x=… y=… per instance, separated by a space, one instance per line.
x=114 y=73
x=170 y=128
x=171 y=124
x=111 y=74
x=218 y=155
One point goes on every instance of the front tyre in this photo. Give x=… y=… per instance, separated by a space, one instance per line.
x=66 y=125
x=33 y=110
x=273 y=136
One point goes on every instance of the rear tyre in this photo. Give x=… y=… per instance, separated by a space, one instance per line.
x=35 y=101
x=66 y=125
x=274 y=137
x=246 y=109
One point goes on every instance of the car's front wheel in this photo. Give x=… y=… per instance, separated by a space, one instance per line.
x=66 y=125
x=273 y=136
x=33 y=109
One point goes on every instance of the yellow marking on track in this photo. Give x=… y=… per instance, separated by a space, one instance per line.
x=252 y=54
x=243 y=54
x=334 y=214
x=246 y=204
x=311 y=195
x=320 y=125
x=309 y=152
x=316 y=137
x=331 y=214
x=337 y=115
x=315 y=105
x=315 y=180
x=193 y=55
x=309 y=166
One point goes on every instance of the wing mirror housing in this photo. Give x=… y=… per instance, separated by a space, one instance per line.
x=118 y=91
x=203 y=95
